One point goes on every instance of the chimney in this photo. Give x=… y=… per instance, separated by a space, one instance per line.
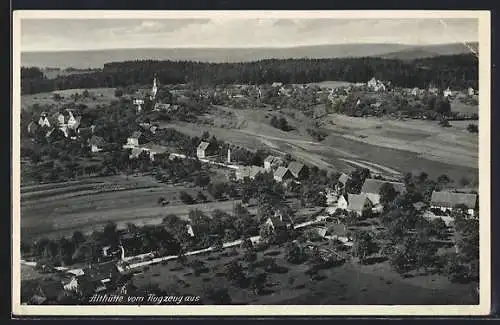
x=228 y=155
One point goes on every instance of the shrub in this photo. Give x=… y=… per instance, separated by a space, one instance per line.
x=473 y=128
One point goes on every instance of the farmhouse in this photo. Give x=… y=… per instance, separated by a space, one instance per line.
x=204 y=150
x=134 y=140
x=446 y=201
x=371 y=188
x=343 y=178
x=67 y=122
x=96 y=143
x=282 y=174
x=297 y=169
x=359 y=203
x=44 y=121
x=248 y=171
x=272 y=162
x=278 y=222
x=342 y=202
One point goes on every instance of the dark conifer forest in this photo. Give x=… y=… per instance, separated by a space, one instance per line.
x=454 y=71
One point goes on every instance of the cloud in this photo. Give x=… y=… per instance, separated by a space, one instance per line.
x=223 y=31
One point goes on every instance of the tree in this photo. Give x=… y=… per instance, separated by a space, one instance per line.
x=295 y=253
x=186 y=198
x=218 y=296
x=258 y=282
x=387 y=194
x=110 y=234
x=200 y=197
x=443 y=179
x=234 y=272
x=473 y=128
x=78 y=237
x=118 y=92
x=364 y=245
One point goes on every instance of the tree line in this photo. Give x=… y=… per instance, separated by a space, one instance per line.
x=455 y=71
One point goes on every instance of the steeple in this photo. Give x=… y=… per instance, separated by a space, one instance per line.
x=155 y=88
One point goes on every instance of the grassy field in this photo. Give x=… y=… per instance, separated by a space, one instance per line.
x=98 y=96
x=86 y=207
x=347 y=284
x=389 y=147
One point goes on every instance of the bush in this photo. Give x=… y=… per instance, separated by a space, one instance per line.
x=473 y=128
x=186 y=198
x=444 y=123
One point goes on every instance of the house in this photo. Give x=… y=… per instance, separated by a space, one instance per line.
x=154 y=90
x=297 y=169
x=272 y=162
x=139 y=102
x=433 y=90
x=376 y=85
x=470 y=91
x=446 y=201
x=33 y=127
x=343 y=178
x=68 y=122
x=248 y=171
x=371 y=187
x=278 y=221
x=282 y=174
x=44 y=121
x=415 y=91
x=189 y=230
x=342 y=202
x=134 y=140
x=447 y=92
x=96 y=278
x=331 y=197
x=359 y=203
x=96 y=143
x=204 y=150
x=161 y=107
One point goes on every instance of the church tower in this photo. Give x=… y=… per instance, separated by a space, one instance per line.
x=155 y=89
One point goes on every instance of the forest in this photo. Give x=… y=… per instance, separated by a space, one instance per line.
x=454 y=71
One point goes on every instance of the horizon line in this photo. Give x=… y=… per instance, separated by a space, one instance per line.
x=242 y=47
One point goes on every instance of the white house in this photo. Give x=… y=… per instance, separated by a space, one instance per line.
x=446 y=201
x=272 y=162
x=96 y=143
x=139 y=102
x=203 y=150
x=359 y=203
x=134 y=139
x=282 y=174
x=44 y=121
x=470 y=91
x=376 y=85
x=342 y=202
x=447 y=92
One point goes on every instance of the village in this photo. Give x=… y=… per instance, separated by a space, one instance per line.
x=343 y=202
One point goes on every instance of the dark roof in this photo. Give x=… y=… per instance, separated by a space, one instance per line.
x=295 y=168
x=373 y=186
x=281 y=172
x=203 y=145
x=452 y=199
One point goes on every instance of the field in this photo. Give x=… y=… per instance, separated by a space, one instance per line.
x=59 y=209
x=388 y=147
x=347 y=284
x=98 y=96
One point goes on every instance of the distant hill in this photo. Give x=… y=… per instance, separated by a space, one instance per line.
x=97 y=58
x=419 y=52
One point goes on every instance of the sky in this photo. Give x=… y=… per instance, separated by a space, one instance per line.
x=230 y=32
